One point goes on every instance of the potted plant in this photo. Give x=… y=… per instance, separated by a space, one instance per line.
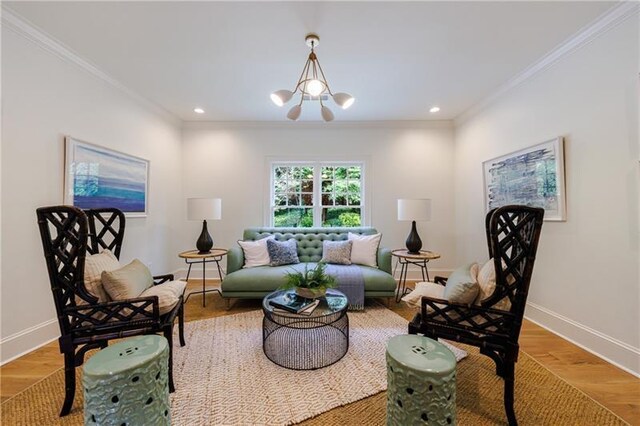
x=312 y=283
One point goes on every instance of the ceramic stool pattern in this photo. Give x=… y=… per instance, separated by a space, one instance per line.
x=421 y=382
x=128 y=384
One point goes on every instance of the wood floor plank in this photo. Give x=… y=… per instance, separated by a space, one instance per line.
x=612 y=387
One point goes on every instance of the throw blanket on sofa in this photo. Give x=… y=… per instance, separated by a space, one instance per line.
x=350 y=282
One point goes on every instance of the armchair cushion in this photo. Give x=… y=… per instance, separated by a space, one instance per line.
x=423 y=289
x=487 y=283
x=365 y=248
x=94 y=265
x=127 y=282
x=168 y=294
x=462 y=285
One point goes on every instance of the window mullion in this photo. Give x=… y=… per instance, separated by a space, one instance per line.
x=317 y=194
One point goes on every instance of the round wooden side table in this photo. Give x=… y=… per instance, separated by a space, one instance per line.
x=404 y=259
x=215 y=255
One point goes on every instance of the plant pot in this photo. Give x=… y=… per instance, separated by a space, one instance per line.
x=311 y=293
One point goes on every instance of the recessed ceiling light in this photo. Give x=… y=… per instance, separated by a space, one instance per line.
x=198 y=110
x=434 y=109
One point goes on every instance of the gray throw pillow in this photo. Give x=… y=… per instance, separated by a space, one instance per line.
x=283 y=253
x=462 y=286
x=338 y=252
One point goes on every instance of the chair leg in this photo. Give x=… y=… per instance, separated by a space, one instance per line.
x=168 y=334
x=181 y=325
x=69 y=382
x=509 y=385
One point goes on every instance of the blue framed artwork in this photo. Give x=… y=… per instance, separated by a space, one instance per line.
x=97 y=177
x=533 y=177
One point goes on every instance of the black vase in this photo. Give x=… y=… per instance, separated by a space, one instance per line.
x=205 y=242
x=414 y=243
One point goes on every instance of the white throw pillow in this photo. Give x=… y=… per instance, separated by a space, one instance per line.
x=487 y=282
x=423 y=289
x=168 y=294
x=256 y=252
x=94 y=265
x=364 y=250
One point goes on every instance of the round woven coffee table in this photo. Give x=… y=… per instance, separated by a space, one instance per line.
x=300 y=342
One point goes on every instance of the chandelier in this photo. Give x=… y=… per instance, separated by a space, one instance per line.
x=312 y=85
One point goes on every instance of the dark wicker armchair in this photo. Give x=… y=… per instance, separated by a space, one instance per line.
x=68 y=233
x=512 y=237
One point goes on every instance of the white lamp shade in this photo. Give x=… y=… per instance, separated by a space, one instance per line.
x=327 y=115
x=204 y=208
x=414 y=209
x=294 y=112
x=281 y=97
x=344 y=100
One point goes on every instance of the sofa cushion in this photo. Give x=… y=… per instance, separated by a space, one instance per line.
x=365 y=248
x=337 y=252
x=255 y=252
x=269 y=278
x=283 y=253
x=309 y=239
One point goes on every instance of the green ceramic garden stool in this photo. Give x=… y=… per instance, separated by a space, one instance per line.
x=421 y=382
x=128 y=384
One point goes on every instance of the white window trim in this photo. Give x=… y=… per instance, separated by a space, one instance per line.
x=317 y=163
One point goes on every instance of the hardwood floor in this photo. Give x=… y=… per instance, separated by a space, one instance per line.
x=610 y=386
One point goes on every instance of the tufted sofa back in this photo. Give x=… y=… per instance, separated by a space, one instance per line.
x=309 y=239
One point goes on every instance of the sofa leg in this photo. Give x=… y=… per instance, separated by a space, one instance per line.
x=227 y=303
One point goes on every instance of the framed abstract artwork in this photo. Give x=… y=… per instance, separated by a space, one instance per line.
x=96 y=177
x=533 y=177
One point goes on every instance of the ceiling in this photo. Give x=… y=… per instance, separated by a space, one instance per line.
x=396 y=59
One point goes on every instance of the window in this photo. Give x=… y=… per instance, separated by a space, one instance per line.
x=317 y=194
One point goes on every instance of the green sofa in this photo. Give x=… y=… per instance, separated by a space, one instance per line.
x=255 y=283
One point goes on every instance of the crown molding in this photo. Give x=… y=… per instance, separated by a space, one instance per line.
x=610 y=19
x=318 y=125
x=14 y=22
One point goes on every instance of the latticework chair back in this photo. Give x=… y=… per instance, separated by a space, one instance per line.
x=512 y=236
x=63 y=230
x=106 y=230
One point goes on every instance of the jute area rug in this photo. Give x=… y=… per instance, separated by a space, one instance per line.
x=215 y=387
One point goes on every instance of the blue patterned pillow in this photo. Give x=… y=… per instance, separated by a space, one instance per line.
x=283 y=253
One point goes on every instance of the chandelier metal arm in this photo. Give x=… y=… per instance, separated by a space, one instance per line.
x=300 y=80
x=326 y=83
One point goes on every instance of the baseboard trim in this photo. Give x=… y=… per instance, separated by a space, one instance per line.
x=613 y=351
x=21 y=343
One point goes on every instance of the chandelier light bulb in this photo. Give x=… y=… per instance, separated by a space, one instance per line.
x=344 y=100
x=327 y=115
x=294 y=112
x=314 y=87
x=281 y=97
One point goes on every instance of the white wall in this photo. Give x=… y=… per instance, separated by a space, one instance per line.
x=585 y=284
x=406 y=160
x=44 y=98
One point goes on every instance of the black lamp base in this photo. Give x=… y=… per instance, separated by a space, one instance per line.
x=413 y=243
x=205 y=242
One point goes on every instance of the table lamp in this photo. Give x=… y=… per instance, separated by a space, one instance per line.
x=203 y=209
x=413 y=210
